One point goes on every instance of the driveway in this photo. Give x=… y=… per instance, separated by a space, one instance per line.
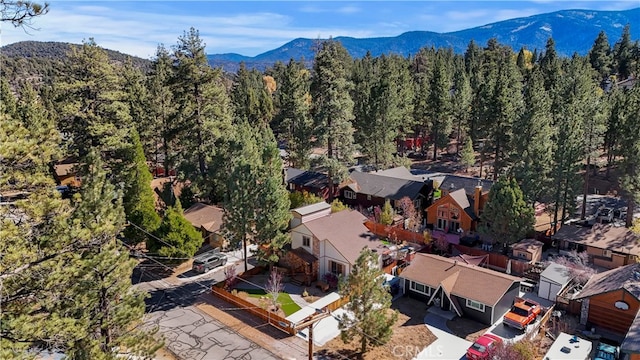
x=447 y=346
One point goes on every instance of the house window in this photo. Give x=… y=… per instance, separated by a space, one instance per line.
x=292 y=186
x=306 y=241
x=336 y=268
x=442 y=224
x=420 y=288
x=606 y=253
x=443 y=211
x=475 y=305
x=455 y=226
x=368 y=197
x=348 y=194
x=454 y=214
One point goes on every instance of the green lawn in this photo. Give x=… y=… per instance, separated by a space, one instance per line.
x=286 y=303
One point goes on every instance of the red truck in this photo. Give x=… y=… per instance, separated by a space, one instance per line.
x=523 y=313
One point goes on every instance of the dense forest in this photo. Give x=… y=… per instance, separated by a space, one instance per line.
x=64 y=277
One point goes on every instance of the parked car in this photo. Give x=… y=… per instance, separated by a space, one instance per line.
x=207 y=261
x=483 y=347
x=606 y=352
x=605 y=215
x=522 y=314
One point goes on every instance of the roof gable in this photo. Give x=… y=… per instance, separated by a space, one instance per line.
x=346 y=232
x=625 y=277
x=471 y=282
x=557 y=273
x=458 y=198
x=203 y=215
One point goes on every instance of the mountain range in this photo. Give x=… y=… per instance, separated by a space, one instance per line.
x=573 y=31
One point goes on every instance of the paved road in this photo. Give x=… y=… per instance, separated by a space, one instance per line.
x=190 y=333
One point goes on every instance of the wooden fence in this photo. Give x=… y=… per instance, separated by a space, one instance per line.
x=495 y=260
x=337 y=304
x=394 y=233
x=271 y=318
x=541 y=325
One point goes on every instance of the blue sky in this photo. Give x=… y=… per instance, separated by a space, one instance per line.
x=252 y=27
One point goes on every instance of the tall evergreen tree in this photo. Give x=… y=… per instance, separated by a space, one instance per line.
x=630 y=180
x=91 y=103
x=250 y=97
x=203 y=116
x=101 y=294
x=461 y=105
x=370 y=317
x=296 y=124
x=467 y=156
x=531 y=143
x=439 y=106
x=138 y=99
x=138 y=200
x=507 y=216
x=600 y=56
x=332 y=108
x=162 y=109
x=623 y=54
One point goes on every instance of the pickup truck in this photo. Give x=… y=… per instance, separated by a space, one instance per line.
x=522 y=313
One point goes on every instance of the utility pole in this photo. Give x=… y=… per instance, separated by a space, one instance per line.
x=308 y=322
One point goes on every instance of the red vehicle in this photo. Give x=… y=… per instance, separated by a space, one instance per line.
x=483 y=347
x=523 y=313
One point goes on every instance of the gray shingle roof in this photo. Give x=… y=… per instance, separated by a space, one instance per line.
x=451 y=182
x=625 y=277
x=308 y=178
x=385 y=186
x=310 y=209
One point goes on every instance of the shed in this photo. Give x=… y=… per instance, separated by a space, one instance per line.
x=529 y=250
x=569 y=347
x=552 y=280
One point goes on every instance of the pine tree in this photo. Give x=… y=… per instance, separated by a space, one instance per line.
x=203 y=117
x=467 y=156
x=179 y=238
x=138 y=99
x=507 y=216
x=439 y=106
x=162 y=109
x=91 y=103
x=371 y=318
x=296 y=124
x=138 y=200
x=461 y=104
x=630 y=180
x=623 y=54
x=332 y=108
x=101 y=295
x=532 y=145
x=600 y=56
x=299 y=199
x=250 y=97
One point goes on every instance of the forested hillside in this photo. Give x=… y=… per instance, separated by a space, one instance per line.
x=534 y=117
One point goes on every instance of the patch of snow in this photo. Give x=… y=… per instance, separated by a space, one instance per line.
x=486 y=27
x=545 y=28
x=521 y=27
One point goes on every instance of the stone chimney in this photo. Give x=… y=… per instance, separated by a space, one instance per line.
x=476 y=199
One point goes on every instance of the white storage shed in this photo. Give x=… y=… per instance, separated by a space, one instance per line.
x=552 y=280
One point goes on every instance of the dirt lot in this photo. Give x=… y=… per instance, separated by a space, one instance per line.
x=466 y=328
x=410 y=330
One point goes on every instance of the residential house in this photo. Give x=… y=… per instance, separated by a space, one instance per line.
x=335 y=240
x=207 y=219
x=528 y=249
x=465 y=289
x=373 y=189
x=611 y=302
x=310 y=181
x=553 y=280
x=608 y=245
x=457 y=202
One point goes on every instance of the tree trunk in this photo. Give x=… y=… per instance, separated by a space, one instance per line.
x=585 y=189
x=435 y=143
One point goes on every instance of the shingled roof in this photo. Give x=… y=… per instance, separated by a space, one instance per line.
x=460 y=279
x=206 y=216
x=451 y=182
x=625 y=277
x=602 y=236
x=386 y=187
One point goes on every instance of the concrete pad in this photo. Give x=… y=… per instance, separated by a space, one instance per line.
x=324 y=330
x=447 y=346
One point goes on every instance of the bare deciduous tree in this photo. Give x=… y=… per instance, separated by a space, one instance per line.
x=274 y=287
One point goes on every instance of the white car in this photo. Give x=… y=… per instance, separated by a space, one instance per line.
x=605 y=215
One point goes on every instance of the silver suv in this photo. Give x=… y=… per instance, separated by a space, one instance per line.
x=207 y=261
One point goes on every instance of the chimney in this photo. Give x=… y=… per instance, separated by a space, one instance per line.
x=476 y=198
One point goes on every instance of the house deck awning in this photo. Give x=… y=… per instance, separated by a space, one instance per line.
x=304 y=255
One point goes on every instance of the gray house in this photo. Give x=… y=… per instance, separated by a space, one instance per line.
x=467 y=290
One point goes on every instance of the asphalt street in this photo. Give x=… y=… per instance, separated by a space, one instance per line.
x=189 y=333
